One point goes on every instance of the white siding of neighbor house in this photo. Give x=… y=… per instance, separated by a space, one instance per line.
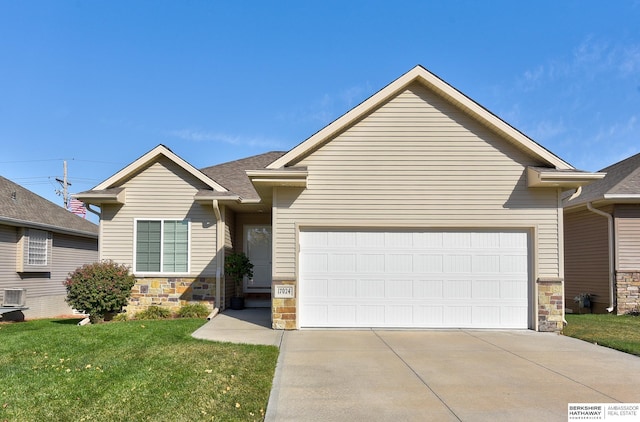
x=45 y=290
x=417 y=162
x=163 y=190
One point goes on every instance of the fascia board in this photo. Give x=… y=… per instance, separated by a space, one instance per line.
x=294 y=178
x=102 y=197
x=621 y=196
x=567 y=179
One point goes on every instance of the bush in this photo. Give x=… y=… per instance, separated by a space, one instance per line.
x=121 y=317
x=193 y=310
x=99 y=289
x=154 y=312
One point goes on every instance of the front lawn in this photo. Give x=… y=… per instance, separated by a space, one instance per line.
x=617 y=332
x=125 y=371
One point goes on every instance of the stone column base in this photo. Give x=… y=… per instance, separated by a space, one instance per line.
x=550 y=304
x=283 y=310
x=628 y=291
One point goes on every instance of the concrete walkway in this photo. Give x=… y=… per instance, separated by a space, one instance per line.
x=250 y=325
x=432 y=375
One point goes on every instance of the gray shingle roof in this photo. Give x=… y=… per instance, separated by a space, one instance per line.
x=22 y=207
x=623 y=178
x=232 y=175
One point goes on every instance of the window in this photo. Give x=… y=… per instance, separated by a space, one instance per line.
x=162 y=246
x=37 y=247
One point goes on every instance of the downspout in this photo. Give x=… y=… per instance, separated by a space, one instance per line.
x=561 y=249
x=609 y=218
x=219 y=251
x=92 y=211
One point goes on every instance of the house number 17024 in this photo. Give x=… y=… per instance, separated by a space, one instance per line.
x=284 y=291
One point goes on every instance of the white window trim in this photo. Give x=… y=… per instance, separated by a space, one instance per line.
x=160 y=273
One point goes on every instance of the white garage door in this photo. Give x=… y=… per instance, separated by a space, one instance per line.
x=448 y=279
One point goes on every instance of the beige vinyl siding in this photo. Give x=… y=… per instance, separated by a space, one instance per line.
x=417 y=162
x=627 y=229
x=586 y=257
x=230 y=228
x=163 y=190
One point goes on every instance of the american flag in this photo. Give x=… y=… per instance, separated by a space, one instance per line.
x=77 y=207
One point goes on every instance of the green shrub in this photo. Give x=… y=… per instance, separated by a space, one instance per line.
x=100 y=289
x=154 y=312
x=121 y=317
x=194 y=310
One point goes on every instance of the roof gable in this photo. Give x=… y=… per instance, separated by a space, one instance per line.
x=622 y=182
x=21 y=207
x=420 y=75
x=129 y=171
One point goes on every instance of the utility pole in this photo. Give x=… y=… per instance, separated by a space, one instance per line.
x=65 y=184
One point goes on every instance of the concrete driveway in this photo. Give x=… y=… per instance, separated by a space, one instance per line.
x=452 y=375
x=430 y=375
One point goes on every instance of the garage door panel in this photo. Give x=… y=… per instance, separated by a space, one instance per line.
x=373 y=313
x=429 y=316
x=399 y=289
x=457 y=289
x=427 y=240
x=421 y=279
x=457 y=264
x=399 y=263
x=424 y=263
x=486 y=289
x=371 y=289
x=428 y=289
x=342 y=314
x=315 y=262
x=513 y=263
x=486 y=263
x=371 y=263
x=344 y=239
x=342 y=288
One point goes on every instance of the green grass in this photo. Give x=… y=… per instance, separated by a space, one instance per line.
x=129 y=371
x=620 y=332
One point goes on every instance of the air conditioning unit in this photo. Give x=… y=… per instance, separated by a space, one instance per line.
x=14 y=298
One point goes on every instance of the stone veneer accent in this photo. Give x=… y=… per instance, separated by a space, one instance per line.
x=550 y=304
x=283 y=311
x=171 y=293
x=628 y=291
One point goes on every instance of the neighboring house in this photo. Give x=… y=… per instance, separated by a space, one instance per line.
x=40 y=244
x=417 y=208
x=602 y=241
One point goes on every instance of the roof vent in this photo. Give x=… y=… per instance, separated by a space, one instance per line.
x=14 y=298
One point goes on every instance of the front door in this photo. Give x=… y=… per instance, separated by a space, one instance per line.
x=257 y=246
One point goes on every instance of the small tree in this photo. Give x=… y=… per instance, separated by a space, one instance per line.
x=99 y=289
x=237 y=266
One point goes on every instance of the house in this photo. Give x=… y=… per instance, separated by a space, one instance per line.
x=417 y=208
x=40 y=244
x=602 y=241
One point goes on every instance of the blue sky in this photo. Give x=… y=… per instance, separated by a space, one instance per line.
x=100 y=83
